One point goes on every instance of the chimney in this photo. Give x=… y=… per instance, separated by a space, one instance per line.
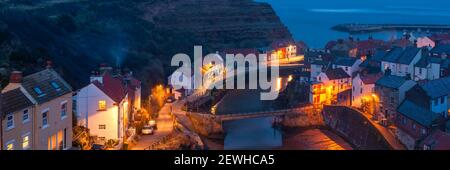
x=16 y=77
x=49 y=64
x=95 y=76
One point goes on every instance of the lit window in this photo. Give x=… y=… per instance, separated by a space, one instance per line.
x=424 y=131
x=10 y=145
x=102 y=105
x=45 y=118
x=55 y=85
x=25 y=116
x=63 y=110
x=25 y=142
x=10 y=121
x=101 y=126
x=414 y=126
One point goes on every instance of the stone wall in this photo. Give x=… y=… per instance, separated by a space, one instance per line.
x=311 y=117
x=205 y=124
x=356 y=128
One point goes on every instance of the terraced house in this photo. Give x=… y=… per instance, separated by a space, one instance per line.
x=37 y=112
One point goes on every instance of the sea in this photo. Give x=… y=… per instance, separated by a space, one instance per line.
x=311 y=20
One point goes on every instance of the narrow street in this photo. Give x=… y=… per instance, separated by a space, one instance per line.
x=165 y=127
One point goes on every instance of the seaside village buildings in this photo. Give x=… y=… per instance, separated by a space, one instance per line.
x=403 y=85
x=37 y=109
x=36 y=112
x=106 y=104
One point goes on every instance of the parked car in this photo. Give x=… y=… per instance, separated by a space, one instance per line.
x=152 y=123
x=147 y=130
x=96 y=146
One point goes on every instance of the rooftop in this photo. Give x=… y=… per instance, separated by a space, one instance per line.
x=419 y=114
x=336 y=73
x=441 y=48
x=401 y=55
x=15 y=101
x=391 y=81
x=113 y=87
x=437 y=88
x=45 y=85
x=345 y=61
x=371 y=78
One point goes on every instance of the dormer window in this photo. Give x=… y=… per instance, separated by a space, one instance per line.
x=55 y=85
x=38 y=91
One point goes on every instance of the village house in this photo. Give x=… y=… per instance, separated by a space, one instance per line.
x=372 y=64
x=425 y=42
x=441 y=51
x=440 y=38
x=328 y=85
x=349 y=64
x=38 y=112
x=105 y=105
x=390 y=90
x=363 y=92
x=438 y=140
x=414 y=123
x=432 y=95
x=401 y=61
x=429 y=68
x=316 y=67
x=16 y=115
x=370 y=46
x=283 y=49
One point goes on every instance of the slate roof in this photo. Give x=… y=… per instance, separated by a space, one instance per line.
x=391 y=81
x=401 y=55
x=419 y=114
x=437 y=88
x=441 y=48
x=14 y=100
x=345 y=61
x=336 y=73
x=371 y=78
x=44 y=80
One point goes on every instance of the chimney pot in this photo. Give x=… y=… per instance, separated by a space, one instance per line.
x=49 y=64
x=16 y=77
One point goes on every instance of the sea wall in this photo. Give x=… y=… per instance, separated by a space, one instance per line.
x=205 y=124
x=311 y=117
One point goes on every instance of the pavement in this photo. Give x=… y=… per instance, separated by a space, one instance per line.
x=165 y=127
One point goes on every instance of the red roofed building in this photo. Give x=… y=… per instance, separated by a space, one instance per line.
x=106 y=104
x=440 y=38
x=370 y=46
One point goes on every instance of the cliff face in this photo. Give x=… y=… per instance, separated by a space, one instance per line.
x=141 y=35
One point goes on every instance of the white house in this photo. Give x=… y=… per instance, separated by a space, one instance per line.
x=328 y=85
x=425 y=42
x=363 y=88
x=103 y=107
x=317 y=67
x=428 y=68
x=349 y=64
x=401 y=61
